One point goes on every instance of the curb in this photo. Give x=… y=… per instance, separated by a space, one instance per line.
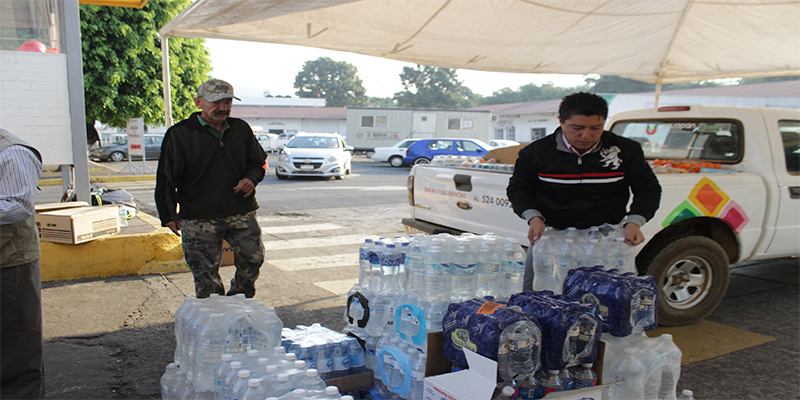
x=157 y=252
x=131 y=178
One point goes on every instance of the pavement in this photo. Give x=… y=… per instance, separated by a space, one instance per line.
x=110 y=336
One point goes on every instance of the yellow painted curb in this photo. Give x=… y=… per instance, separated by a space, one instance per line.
x=121 y=178
x=138 y=254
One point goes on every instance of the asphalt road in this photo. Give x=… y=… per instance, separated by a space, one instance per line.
x=111 y=338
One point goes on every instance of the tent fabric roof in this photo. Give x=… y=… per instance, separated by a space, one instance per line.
x=652 y=41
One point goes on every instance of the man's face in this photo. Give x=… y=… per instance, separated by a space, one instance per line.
x=216 y=112
x=582 y=131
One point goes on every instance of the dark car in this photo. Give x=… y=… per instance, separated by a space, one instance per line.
x=119 y=151
x=423 y=151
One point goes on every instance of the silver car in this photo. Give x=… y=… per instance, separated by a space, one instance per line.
x=315 y=154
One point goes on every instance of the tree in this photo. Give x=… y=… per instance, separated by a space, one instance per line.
x=747 y=81
x=122 y=63
x=618 y=84
x=335 y=81
x=528 y=92
x=383 y=102
x=433 y=87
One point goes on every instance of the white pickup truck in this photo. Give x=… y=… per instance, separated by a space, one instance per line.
x=745 y=208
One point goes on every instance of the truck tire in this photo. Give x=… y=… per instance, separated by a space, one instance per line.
x=692 y=275
x=422 y=160
x=396 y=161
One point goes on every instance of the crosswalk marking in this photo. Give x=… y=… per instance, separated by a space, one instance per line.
x=336 y=240
x=316 y=262
x=340 y=287
x=299 y=228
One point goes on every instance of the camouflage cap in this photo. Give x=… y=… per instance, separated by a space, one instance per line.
x=216 y=89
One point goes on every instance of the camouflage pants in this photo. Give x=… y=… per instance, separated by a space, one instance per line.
x=202 y=248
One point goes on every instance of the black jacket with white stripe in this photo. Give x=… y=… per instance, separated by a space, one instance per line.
x=572 y=191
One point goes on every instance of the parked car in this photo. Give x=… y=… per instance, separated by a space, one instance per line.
x=393 y=154
x=497 y=143
x=315 y=154
x=119 y=151
x=268 y=141
x=423 y=151
x=283 y=139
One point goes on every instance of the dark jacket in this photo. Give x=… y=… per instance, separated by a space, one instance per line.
x=199 y=172
x=581 y=192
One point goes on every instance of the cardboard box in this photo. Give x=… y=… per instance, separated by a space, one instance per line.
x=347 y=384
x=77 y=225
x=227 y=253
x=504 y=155
x=477 y=382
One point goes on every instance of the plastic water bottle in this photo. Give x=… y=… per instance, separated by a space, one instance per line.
x=281 y=387
x=189 y=303
x=591 y=253
x=357 y=356
x=567 y=378
x=437 y=272
x=177 y=384
x=434 y=313
x=487 y=269
x=519 y=350
x=512 y=268
x=340 y=354
x=390 y=266
x=170 y=374
x=551 y=382
x=220 y=371
x=506 y=394
x=418 y=378
x=529 y=388
x=228 y=381
x=254 y=391
x=240 y=384
x=311 y=381
x=370 y=351
x=544 y=262
x=324 y=361
x=627 y=377
x=210 y=346
x=686 y=395
x=622 y=256
x=463 y=269
x=566 y=260
x=364 y=269
x=584 y=376
x=376 y=274
x=414 y=266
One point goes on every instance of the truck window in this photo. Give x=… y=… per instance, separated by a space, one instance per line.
x=712 y=140
x=790 y=134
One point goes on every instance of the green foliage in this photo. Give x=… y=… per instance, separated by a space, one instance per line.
x=383 y=102
x=747 y=81
x=122 y=63
x=433 y=87
x=617 y=84
x=335 y=81
x=528 y=92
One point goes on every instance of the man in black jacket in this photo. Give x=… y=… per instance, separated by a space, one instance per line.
x=210 y=165
x=582 y=176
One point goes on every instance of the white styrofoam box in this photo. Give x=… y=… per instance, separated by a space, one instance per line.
x=477 y=382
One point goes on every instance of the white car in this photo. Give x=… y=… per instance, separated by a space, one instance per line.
x=268 y=141
x=393 y=154
x=315 y=154
x=497 y=143
x=283 y=139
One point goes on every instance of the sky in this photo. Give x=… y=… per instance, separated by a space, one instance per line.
x=254 y=67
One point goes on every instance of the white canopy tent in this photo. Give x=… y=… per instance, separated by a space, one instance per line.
x=657 y=41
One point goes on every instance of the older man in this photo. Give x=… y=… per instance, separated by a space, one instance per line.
x=209 y=167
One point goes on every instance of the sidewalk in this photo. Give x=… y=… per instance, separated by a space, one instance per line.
x=141 y=247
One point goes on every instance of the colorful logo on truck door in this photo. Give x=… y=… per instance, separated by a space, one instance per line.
x=708 y=200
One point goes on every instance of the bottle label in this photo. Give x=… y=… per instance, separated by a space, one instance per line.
x=578 y=384
x=460 y=338
x=464 y=269
x=341 y=363
x=530 y=393
x=589 y=298
x=546 y=390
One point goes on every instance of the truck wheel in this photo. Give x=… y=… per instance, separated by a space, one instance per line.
x=422 y=160
x=396 y=161
x=692 y=275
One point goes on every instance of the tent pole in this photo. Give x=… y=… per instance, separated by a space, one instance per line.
x=658 y=91
x=166 y=82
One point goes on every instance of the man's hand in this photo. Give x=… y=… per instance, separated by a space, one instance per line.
x=535 y=229
x=245 y=186
x=175 y=227
x=633 y=234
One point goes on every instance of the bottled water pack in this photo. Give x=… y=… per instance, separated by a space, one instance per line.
x=572 y=328
x=640 y=367
x=332 y=354
x=627 y=303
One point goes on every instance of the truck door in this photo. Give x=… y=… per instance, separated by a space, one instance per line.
x=787 y=172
